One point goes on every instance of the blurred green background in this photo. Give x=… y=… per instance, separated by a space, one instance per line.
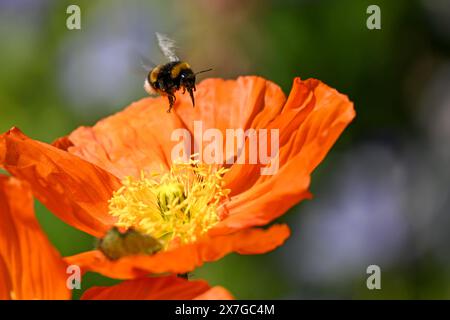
x=381 y=196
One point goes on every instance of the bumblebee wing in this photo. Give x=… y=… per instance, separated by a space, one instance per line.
x=147 y=64
x=167 y=47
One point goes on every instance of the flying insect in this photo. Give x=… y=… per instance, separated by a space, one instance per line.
x=166 y=79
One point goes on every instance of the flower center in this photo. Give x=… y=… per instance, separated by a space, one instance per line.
x=174 y=207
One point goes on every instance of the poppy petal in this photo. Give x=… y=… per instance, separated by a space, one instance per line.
x=265 y=201
x=227 y=106
x=322 y=114
x=184 y=258
x=30 y=267
x=5 y=281
x=157 y=288
x=231 y=104
x=215 y=293
x=72 y=188
x=299 y=104
x=137 y=138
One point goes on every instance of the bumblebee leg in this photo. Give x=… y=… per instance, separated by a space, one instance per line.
x=172 y=99
x=191 y=93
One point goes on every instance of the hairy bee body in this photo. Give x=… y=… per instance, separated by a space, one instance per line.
x=168 y=78
x=116 y=244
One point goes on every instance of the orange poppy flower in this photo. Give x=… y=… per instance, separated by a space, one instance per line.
x=31 y=268
x=104 y=176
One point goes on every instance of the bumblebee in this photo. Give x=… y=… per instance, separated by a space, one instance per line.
x=116 y=244
x=166 y=79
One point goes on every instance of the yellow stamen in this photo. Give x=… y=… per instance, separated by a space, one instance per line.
x=180 y=205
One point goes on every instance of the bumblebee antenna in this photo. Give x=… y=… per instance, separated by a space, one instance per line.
x=203 y=71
